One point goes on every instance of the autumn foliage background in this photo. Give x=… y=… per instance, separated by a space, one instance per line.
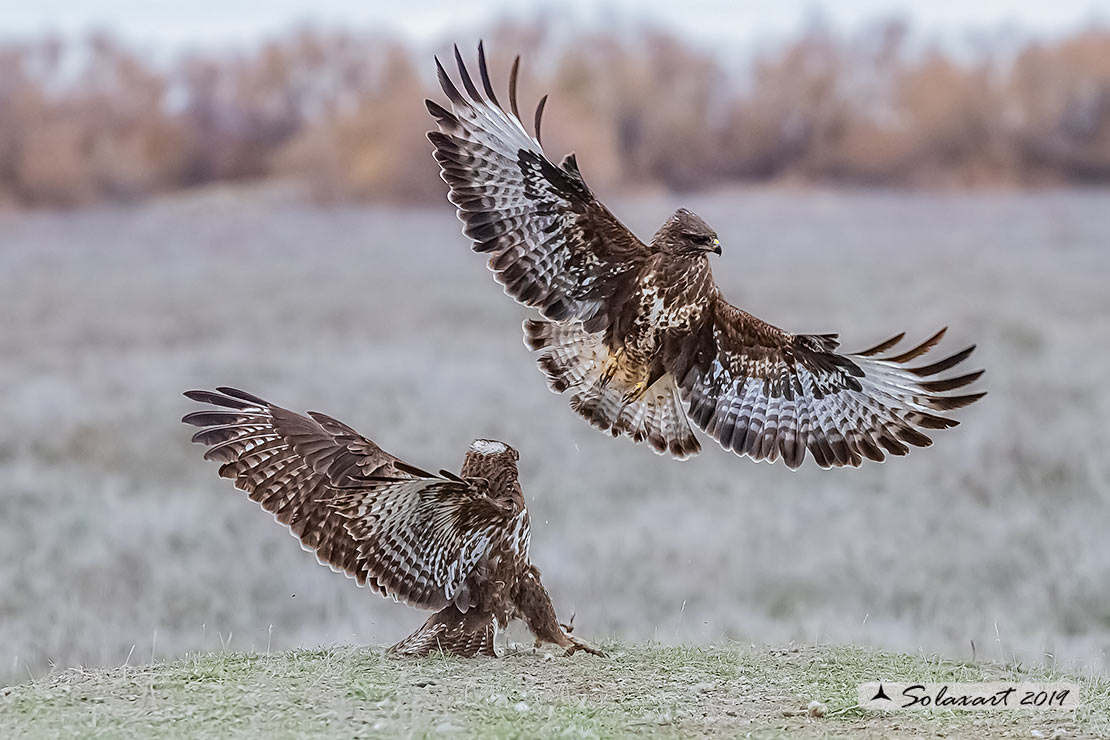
x=91 y=119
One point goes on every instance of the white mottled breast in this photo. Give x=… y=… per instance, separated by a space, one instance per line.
x=666 y=304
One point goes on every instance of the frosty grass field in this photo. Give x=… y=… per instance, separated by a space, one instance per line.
x=119 y=540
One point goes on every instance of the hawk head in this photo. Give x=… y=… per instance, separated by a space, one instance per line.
x=686 y=233
x=489 y=448
x=496 y=462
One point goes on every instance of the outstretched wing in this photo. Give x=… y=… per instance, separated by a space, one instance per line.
x=551 y=243
x=423 y=537
x=298 y=467
x=764 y=393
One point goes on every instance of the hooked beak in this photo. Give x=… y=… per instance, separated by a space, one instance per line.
x=716 y=244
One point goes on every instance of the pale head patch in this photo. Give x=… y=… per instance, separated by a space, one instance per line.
x=488 y=447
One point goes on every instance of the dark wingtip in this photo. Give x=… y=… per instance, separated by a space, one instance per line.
x=919 y=350
x=225 y=397
x=968 y=399
x=438 y=111
x=464 y=75
x=513 y=75
x=951 y=403
x=445 y=82
x=942 y=365
x=242 y=395
x=483 y=72
x=539 y=119
x=948 y=384
x=882 y=346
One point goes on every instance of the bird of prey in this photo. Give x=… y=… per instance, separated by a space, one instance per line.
x=639 y=334
x=455 y=544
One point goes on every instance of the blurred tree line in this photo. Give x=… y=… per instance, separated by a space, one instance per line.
x=90 y=119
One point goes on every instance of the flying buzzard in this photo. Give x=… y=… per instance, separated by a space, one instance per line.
x=456 y=544
x=639 y=334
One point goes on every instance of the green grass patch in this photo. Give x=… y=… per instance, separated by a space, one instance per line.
x=643 y=690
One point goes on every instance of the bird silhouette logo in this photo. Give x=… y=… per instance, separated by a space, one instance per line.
x=880 y=694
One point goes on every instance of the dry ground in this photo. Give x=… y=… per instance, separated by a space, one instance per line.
x=117 y=537
x=644 y=691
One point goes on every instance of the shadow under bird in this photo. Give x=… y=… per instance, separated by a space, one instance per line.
x=455 y=544
x=639 y=335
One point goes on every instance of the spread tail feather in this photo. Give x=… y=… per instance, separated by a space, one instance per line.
x=452 y=631
x=573 y=360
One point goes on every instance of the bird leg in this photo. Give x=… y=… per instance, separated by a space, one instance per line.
x=636 y=391
x=576 y=645
x=609 y=369
x=534 y=607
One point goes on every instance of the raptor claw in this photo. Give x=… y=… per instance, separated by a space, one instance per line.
x=576 y=645
x=636 y=391
x=610 y=367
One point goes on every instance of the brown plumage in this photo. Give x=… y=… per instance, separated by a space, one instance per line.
x=455 y=544
x=639 y=334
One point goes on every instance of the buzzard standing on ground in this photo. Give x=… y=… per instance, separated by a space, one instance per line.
x=456 y=544
x=639 y=334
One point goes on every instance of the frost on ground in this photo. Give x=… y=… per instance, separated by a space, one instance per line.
x=725 y=691
x=118 y=539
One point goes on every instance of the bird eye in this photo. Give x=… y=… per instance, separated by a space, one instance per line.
x=698 y=238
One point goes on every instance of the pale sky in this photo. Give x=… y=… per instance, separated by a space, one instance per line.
x=171 y=25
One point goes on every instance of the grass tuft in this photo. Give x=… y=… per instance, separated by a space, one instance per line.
x=650 y=690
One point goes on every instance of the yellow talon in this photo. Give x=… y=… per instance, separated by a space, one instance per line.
x=610 y=368
x=636 y=391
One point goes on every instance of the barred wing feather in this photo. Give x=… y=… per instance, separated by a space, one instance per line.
x=552 y=244
x=765 y=394
x=305 y=469
x=423 y=537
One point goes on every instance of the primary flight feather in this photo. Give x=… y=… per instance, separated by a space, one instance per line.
x=639 y=335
